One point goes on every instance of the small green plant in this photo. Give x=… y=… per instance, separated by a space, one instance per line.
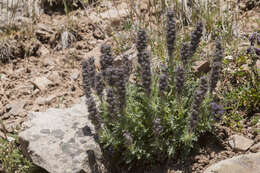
x=11 y=158
x=243 y=85
x=162 y=112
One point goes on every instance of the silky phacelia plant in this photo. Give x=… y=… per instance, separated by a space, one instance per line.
x=159 y=113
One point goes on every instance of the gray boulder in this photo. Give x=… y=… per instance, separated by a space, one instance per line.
x=62 y=141
x=249 y=163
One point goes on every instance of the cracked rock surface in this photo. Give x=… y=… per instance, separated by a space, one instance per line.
x=61 y=140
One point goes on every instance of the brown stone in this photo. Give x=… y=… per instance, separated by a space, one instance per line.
x=255 y=148
x=240 y=143
x=201 y=66
x=42 y=83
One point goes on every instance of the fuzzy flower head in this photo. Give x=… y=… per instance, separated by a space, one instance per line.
x=93 y=112
x=163 y=83
x=99 y=84
x=141 y=41
x=111 y=101
x=195 y=38
x=106 y=59
x=85 y=79
x=185 y=53
x=127 y=67
x=216 y=66
x=170 y=32
x=91 y=71
x=254 y=40
x=216 y=110
x=218 y=54
x=214 y=75
x=146 y=71
x=198 y=98
x=179 y=80
x=121 y=87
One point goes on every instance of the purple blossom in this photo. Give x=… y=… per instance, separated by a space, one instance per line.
x=257 y=51
x=216 y=110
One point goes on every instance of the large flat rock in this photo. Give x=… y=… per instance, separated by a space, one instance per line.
x=61 y=140
x=249 y=163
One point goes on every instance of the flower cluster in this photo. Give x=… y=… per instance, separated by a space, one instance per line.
x=121 y=88
x=99 y=84
x=144 y=61
x=111 y=100
x=91 y=71
x=185 y=53
x=195 y=38
x=127 y=67
x=106 y=58
x=93 y=112
x=198 y=98
x=216 y=66
x=179 y=80
x=216 y=110
x=255 y=40
x=170 y=33
x=163 y=83
x=146 y=71
x=141 y=41
x=85 y=79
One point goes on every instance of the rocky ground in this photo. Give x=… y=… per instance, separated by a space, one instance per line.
x=46 y=73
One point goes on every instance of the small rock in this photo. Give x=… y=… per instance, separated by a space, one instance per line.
x=255 y=148
x=74 y=75
x=15 y=108
x=96 y=54
x=3 y=77
x=42 y=83
x=201 y=66
x=44 y=33
x=99 y=34
x=240 y=143
x=2 y=135
x=25 y=89
x=66 y=39
x=245 y=67
x=47 y=61
x=10 y=139
x=12 y=125
x=42 y=51
x=114 y=13
x=42 y=100
x=229 y=57
x=257 y=115
x=54 y=77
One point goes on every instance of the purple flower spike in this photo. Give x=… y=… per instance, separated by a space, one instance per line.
x=257 y=51
x=258 y=39
x=217 y=109
x=252 y=39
